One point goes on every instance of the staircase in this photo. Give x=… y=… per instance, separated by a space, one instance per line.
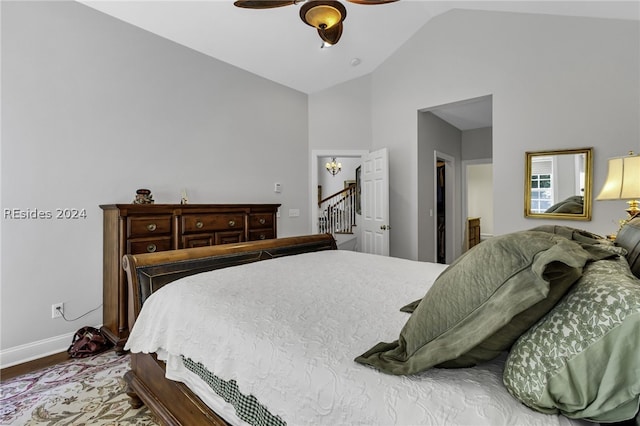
x=337 y=213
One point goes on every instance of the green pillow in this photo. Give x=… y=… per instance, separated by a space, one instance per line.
x=583 y=358
x=483 y=302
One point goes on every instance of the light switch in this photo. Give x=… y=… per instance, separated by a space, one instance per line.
x=277 y=187
x=294 y=212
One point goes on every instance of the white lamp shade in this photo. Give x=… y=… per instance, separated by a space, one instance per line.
x=623 y=179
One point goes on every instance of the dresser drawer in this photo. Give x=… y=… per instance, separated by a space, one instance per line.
x=145 y=226
x=198 y=240
x=148 y=245
x=200 y=223
x=261 y=234
x=220 y=237
x=229 y=237
x=260 y=220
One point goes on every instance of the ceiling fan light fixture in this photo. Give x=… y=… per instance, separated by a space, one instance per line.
x=330 y=36
x=323 y=14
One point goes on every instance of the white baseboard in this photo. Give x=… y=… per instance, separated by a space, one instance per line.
x=35 y=350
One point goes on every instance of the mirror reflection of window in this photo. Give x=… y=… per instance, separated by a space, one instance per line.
x=541 y=184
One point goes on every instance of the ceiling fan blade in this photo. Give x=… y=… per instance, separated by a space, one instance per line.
x=263 y=4
x=371 y=1
x=331 y=35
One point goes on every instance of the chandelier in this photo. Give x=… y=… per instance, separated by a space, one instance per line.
x=333 y=167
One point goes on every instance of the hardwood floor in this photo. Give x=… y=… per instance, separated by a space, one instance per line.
x=37 y=364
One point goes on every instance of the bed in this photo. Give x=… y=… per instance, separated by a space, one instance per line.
x=294 y=331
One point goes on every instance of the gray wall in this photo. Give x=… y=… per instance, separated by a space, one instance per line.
x=92 y=109
x=435 y=134
x=340 y=117
x=556 y=83
x=477 y=144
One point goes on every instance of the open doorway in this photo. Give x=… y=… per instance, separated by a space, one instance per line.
x=449 y=136
x=477 y=180
x=441 y=212
x=323 y=184
x=445 y=195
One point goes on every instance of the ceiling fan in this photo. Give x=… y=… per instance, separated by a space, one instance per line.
x=324 y=15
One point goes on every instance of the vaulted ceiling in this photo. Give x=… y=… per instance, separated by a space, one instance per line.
x=276 y=44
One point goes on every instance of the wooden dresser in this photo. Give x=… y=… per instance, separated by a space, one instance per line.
x=147 y=228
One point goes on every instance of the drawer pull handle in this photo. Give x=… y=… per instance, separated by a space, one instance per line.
x=151 y=227
x=151 y=248
x=232 y=223
x=199 y=224
x=262 y=221
x=262 y=236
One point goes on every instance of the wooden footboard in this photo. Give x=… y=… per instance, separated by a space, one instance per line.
x=173 y=403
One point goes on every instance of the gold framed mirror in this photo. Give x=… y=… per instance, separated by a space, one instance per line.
x=558 y=184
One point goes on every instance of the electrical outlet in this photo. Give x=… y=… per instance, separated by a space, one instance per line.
x=57 y=309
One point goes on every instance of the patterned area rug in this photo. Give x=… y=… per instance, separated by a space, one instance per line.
x=89 y=391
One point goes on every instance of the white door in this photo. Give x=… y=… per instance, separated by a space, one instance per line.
x=375 y=202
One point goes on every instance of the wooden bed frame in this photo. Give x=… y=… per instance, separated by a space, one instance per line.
x=172 y=402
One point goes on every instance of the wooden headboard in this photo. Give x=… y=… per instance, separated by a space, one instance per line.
x=629 y=238
x=146 y=273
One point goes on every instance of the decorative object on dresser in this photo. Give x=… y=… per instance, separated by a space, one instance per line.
x=148 y=228
x=143 y=196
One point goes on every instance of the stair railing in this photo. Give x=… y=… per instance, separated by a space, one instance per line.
x=337 y=212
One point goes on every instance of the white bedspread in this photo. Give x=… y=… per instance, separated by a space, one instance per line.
x=287 y=330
